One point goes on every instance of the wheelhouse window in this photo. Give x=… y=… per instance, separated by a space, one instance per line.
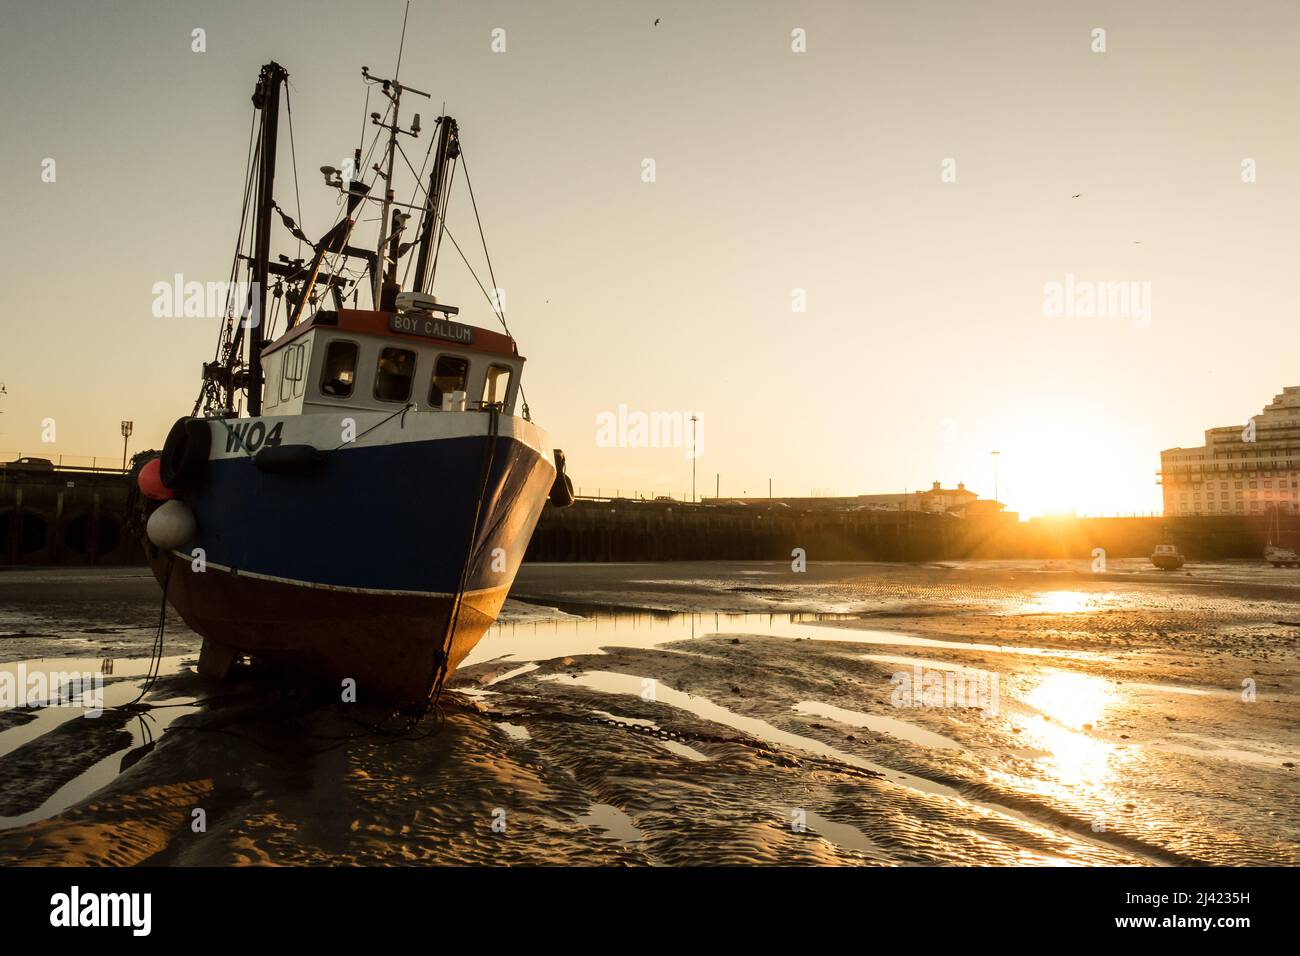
x=393 y=375
x=339 y=371
x=293 y=370
x=449 y=375
x=496 y=385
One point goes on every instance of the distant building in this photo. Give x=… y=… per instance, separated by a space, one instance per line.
x=1250 y=468
x=940 y=500
x=936 y=500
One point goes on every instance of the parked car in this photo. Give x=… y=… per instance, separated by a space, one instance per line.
x=28 y=464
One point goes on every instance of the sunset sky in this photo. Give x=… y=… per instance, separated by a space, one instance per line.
x=924 y=345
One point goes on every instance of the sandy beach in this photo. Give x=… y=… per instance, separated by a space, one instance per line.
x=985 y=713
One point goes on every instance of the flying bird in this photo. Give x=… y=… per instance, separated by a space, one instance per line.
x=1076 y=195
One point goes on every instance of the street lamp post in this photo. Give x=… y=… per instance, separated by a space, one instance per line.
x=694 y=419
x=127 y=428
x=995 y=475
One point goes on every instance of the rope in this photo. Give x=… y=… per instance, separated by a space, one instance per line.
x=401 y=411
x=239 y=444
x=442 y=660
x=155 y=662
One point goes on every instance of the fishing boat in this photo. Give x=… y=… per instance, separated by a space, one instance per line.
x=357 y=483
x=1167 y=557
x=1274 y=553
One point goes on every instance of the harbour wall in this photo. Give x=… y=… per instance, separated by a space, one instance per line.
x=79 y=517
x=65 y=516
x=651 y=531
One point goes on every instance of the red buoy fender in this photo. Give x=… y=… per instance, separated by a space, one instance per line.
x=151 y=483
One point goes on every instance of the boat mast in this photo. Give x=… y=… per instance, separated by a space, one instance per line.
x=266 y=97
x=383 y=292
x=447 y=149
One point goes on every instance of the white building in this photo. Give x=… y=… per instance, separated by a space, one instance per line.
x=939 y=499
x=1250 y=468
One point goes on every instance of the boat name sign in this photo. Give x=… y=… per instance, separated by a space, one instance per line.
x=432 y=328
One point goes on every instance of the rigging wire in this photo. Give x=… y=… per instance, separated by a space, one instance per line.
x=294 y=153
x=497 y=307
x=442 y=219
x=442 y=227
x=226 y=330
x=473 y=274
x=250 y=242
x=232 y=332
x=493 y=301
x=253 y=151
x=419 y=184
x=332 y=257
x=331 y=261
x=336 y=261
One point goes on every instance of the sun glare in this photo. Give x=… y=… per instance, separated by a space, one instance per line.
x=1070 y=705
x=1050 y=463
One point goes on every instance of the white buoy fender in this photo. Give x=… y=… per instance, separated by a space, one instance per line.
x=171 y=526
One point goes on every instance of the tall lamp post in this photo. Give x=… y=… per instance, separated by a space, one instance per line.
x=694 y=419
x=127 y=428
x=995 y=475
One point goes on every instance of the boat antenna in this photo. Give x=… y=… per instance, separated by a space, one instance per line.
x=361 y=140
x=401 y=44
x=384 y=288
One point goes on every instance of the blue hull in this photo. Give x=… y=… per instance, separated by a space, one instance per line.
x=388 y=517
x=347 y=570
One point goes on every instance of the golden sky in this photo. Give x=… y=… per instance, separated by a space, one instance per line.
x=924 y=344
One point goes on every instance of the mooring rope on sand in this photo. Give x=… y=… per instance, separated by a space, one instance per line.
x=155 y=654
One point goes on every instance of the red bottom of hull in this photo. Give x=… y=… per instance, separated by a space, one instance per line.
x=386 y=642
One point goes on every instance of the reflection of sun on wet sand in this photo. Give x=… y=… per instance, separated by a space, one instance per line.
x=756 y=728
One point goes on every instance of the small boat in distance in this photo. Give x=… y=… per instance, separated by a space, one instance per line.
x=1281 y=557
x=1274 y=553
x=1167 y=557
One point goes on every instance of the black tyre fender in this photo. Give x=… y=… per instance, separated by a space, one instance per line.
x=288 y=459
x=185 y=454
